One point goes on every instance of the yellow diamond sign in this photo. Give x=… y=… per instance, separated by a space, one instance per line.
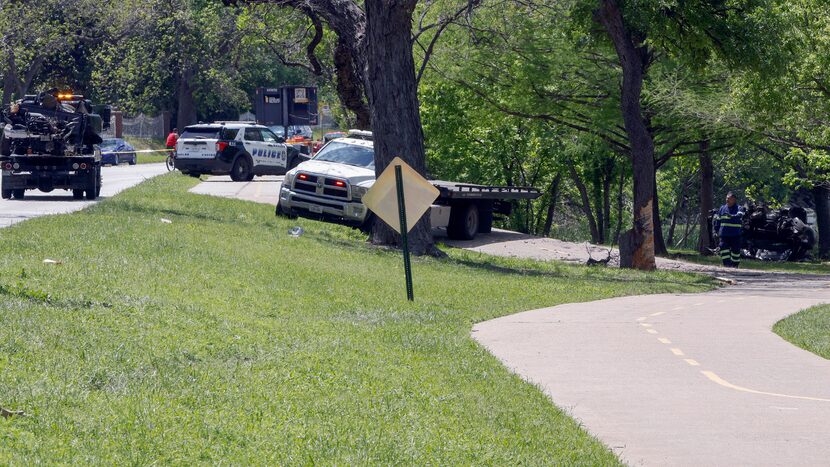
x=418 y=195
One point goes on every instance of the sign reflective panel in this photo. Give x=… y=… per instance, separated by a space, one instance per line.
x=418 y=195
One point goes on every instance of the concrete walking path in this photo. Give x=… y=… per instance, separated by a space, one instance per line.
x=681 y=379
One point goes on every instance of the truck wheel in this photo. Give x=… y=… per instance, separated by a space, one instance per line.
x=282 y=212
x=92 y=188
x=19 y=193
x=241 y=170
x=464 y=222
x=134 y=160
x=6 y=194
x=117 y=160
x=485 y=222
x=77 y=194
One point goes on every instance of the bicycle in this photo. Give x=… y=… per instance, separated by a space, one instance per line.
x=171 y=161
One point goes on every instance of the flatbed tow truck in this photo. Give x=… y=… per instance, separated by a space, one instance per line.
x=50 y=142
x=332 y=184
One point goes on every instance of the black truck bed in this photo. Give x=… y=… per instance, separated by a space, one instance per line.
x=455 y=190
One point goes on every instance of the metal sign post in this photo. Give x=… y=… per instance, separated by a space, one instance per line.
x=407 y=267
x=386 y=200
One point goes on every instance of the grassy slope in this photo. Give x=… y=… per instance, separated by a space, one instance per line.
x=148 y=143
x=805 y=268
x=808 y=329
x=220 y=337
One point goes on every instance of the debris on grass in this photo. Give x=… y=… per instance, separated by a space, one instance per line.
x=166 y=221
x=296 y=231
x=6 y=413
x=52 y=261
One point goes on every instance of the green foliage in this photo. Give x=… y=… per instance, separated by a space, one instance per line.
x=807 y=168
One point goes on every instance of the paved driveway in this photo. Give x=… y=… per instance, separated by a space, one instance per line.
x=261 y=189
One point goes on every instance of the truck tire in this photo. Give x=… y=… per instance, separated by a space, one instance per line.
x=19 y=193
x=485 y=222
x=6 y=194
x=464 y=222
x=117 y=160
x=241 y=170
x=77 y=194
x=92 y=187
x=134 y=160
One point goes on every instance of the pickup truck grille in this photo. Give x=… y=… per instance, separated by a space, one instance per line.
x=329 y=187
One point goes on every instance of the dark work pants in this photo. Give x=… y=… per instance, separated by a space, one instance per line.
x=730 y=251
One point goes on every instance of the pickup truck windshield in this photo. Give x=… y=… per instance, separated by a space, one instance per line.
x=348 y=154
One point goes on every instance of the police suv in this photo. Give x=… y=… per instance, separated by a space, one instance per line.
x=240 y=149
x=332 y=185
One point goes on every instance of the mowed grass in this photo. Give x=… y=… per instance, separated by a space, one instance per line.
x=806 y=267
x=219 y=338
x=148 y=143
x=808 y=329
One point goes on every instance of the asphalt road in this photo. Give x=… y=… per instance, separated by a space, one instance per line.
x=681 y=379
x=37 y=203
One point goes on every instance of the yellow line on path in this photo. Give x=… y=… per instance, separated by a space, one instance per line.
x=691 y=361
x=658 y=313
x=651 y=331
x=258 y=190
x=645 y=325
x=664 y=340
x=717 y=379
x=677 y=351
x=642 y=318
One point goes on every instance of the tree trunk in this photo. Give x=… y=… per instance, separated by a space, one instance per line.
x=393 y=100
x=554 y=197
x=606 y=205
x=586 y=204
x=186 y=114
x=634 y=59
x=707 y=177
x=10 y=79
x=600 y=210
x=659 y=243
x=620 y=207
x=821 y=195
x=680 y=203
x=350 y=85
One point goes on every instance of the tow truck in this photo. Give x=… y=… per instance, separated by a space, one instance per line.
x=331 y=186
x=50 y=142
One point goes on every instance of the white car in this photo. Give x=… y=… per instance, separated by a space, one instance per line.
x=240 y=149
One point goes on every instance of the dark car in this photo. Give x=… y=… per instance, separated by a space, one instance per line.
x=115 y=151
